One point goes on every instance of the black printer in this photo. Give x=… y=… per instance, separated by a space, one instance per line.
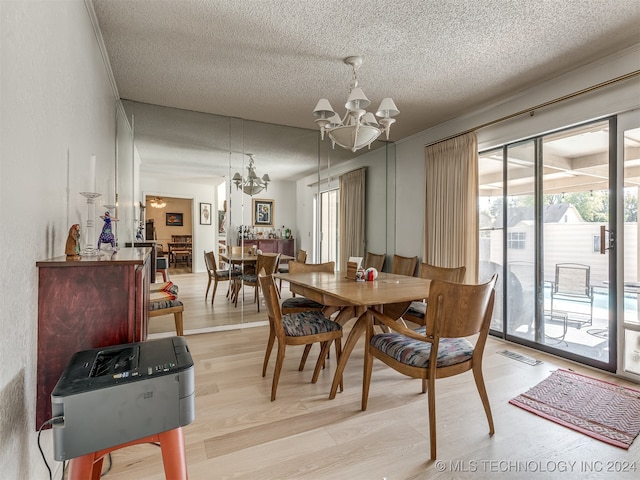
x=114 y=395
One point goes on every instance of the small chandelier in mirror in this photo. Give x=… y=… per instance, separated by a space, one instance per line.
x=358 y=128
x=251 y=184
x=158 y=202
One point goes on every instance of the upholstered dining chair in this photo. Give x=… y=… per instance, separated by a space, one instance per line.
x=404 y=265
x=268 y=263
x=217 y=275
x=418 y=310
x=440 y=349
x=374 y=260
x=300 y=328
x=303 y=304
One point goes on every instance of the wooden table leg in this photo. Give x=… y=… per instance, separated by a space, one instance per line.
x=358 y=329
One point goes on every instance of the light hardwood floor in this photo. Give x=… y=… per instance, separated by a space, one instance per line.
x=238 y=433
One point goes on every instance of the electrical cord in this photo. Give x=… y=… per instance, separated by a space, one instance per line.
x=44 y=459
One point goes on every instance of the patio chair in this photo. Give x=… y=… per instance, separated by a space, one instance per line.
x=573 y=285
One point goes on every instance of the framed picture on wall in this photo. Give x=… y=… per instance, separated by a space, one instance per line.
x=174 y=219
x=205 y=214
x=262 y=213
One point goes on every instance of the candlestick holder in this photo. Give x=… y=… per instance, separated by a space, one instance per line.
x=89 y=249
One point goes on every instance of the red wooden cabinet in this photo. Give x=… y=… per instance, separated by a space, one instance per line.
x=274 y=245
x=89 y=303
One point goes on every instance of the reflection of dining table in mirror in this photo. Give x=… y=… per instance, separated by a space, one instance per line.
x=246 y=260
x=353 y=299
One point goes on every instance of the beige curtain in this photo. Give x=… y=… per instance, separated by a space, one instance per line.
x=451 y=219
x=352 y=214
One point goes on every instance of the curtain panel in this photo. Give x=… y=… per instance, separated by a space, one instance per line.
x=451 y=218
x=352 y=215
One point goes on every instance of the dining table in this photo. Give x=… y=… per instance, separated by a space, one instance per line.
x=353 y=299
x=247 y=259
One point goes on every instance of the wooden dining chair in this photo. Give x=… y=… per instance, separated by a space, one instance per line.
x=374 y=260
x=268 y=263
x=302 y=304
x=217 y=275
x=404 y=265
x=417 y=311
x=440 y=349
x=300 y=328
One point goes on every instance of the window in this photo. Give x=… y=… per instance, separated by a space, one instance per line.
x=516 y=240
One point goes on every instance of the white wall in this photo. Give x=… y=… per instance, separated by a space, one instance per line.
x=57 y=108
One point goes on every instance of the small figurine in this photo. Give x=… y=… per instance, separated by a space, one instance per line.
x=106 y=236
x=72 y=248
x=139 y=235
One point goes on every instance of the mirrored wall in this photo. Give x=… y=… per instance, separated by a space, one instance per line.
x=174 y=153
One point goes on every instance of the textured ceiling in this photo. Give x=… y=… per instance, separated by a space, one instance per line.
x=271 y=60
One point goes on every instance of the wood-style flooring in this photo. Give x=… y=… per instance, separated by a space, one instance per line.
x=238 y=433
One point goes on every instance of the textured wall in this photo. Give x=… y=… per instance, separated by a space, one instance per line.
x=57 y=108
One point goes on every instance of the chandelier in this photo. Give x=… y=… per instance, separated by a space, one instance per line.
x=358 y=128
x=158 y=202
x=252 y=184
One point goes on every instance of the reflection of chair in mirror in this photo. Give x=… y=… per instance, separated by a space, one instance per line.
x=418 y=310
x=217 y=275
x=374 y=260
x=301 y=257
x=162 y=263
x=295 y=329
x=573 y=285
x=441 y=349
x=267 y=263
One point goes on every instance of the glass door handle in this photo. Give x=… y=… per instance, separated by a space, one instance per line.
x=603 y=239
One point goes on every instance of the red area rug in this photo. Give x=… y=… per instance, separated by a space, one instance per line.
x=602 y=410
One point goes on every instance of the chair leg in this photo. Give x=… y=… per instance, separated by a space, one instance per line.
x=366 y=374
x=338 y=355
x=177 y=318
x=165 y=276
x=432 y=415
x=208 y=286
x=424 y=385
x=305 y=354
x=215 y=287
x=276 y=373
x=267 y=355
x=477 y=375
x=320 y=362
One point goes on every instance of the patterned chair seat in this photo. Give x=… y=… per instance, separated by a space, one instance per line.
x=307 y=323
x=227 y=273
x=417 y=310
x=161 y=304
x=408 y=351
x=301 y=303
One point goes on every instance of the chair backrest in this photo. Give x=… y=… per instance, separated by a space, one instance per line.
x=404 y=265
x=268 y=263
x=302 y=256
x=573 y=279
x=374 y=260
x=297 y=267
x=460 y=310
x=431 y=272
x=239 y=250
x=271 y=300
x=210 y=261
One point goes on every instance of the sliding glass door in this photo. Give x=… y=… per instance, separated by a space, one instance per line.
x=545 y=205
